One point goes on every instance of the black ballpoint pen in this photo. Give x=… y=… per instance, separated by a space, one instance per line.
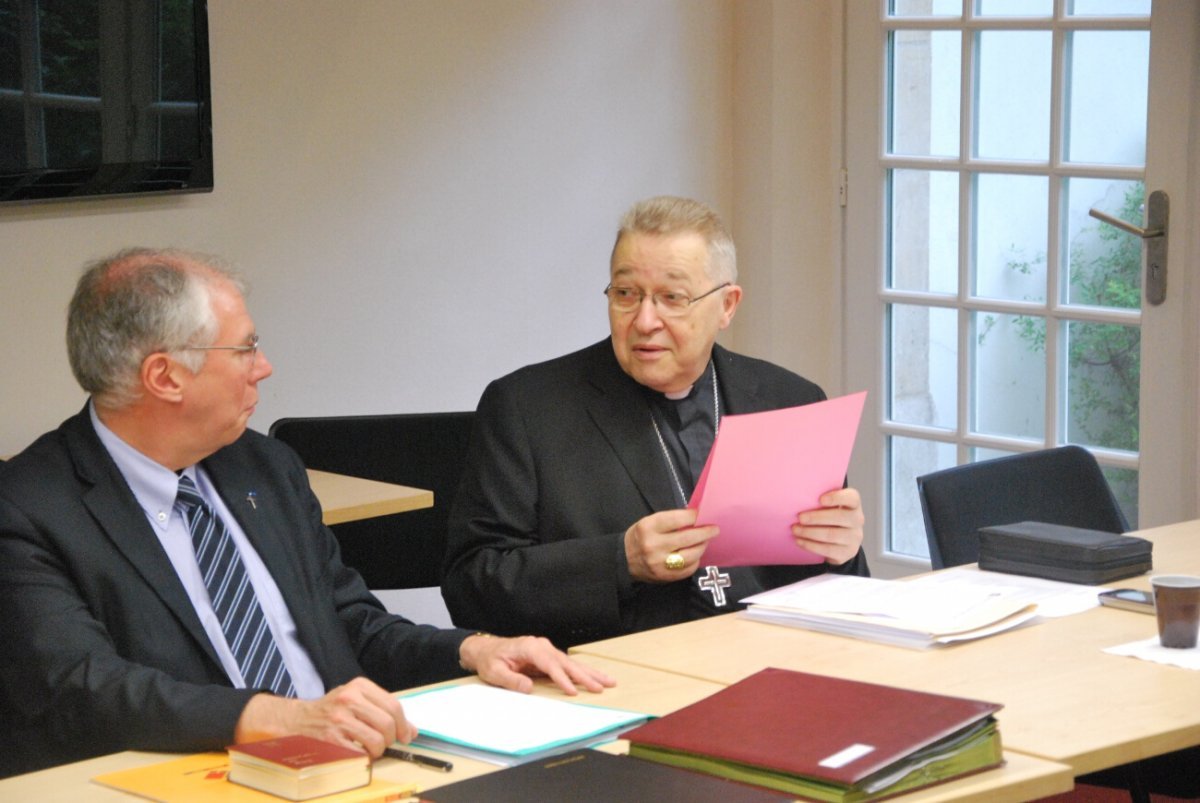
x=417 y=758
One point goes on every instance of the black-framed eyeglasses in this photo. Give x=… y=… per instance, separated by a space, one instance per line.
x=627 y=299
x=250 y=348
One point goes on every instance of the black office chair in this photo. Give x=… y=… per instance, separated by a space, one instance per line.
x=1058 y=486
x=423 y=450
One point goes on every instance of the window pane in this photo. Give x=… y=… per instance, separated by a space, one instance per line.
x=1013 y=90
x=70 y=54
x=1124 y=484
x=923 y=218
x=1109 y=8
x=177 y=77
x=926 y=8
x=12 y=134
x=1105 y=262
x=1011 y=231
x=1106 y=107
x=924 y=104
x=72 y=137
x=1015 y=8
x=980 y=453
x=1008 y=392
x=1103 y=371
x=924 y=365
x=10 y=47
x=910 y=458
x=177 y=137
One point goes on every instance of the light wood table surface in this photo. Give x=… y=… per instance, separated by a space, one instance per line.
x=1064 y=700
x=344 y=498
x=638 y=689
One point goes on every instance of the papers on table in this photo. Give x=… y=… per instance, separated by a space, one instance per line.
x=904 y=613
x=763 y=469
x=1151 y=649
x=506 y=727
x=1052 y=597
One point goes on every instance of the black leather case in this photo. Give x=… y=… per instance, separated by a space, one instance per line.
x=1055 y=552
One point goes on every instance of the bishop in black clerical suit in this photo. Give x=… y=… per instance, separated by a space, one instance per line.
x=571 y=518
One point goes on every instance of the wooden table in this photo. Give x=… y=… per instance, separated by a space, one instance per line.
x=1064 y=700
x=345 y=498
x=638 y=688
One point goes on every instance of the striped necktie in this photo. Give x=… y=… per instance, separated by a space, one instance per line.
x=232 y=595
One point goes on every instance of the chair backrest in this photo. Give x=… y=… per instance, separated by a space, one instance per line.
x=1058 y=486
x=423 y=450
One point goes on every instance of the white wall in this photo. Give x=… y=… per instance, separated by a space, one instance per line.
x=786 y=160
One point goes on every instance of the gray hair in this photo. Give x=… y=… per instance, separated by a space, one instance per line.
x=668 y=214
x=133 y=304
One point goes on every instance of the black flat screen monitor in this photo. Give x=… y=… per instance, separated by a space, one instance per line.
x=103 y=97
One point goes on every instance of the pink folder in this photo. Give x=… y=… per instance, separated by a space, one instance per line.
x=763 y=469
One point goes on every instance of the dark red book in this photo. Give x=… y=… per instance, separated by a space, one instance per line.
x=825 y=737
x=298 y=767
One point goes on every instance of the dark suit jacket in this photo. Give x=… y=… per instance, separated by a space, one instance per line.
x=102 y=651
x=563 y=460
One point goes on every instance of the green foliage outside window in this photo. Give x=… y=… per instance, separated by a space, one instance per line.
x=1104 y=360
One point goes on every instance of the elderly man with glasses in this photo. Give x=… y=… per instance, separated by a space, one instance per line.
x=166 y=582
x=572 y=517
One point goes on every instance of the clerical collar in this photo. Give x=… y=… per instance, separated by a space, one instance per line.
x=687 y=431
x=690 y=390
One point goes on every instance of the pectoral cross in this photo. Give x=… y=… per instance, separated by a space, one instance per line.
x=715 y=583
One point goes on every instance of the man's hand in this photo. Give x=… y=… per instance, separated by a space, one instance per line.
x=359 y=715
x=510 y=663
x=651 y=539
x=834 y=530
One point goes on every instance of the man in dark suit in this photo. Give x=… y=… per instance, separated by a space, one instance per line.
x=571 y=518
x=166 y=582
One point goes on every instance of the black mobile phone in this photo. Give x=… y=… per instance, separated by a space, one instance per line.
x=1128 y=598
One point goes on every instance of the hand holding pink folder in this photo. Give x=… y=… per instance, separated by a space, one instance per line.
x=763 y=469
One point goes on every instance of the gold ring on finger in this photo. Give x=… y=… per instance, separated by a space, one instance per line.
x=674 y=561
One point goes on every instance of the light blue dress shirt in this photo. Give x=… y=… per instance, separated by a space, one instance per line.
x=155 y=486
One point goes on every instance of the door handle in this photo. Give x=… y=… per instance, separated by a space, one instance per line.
x=1158 y=212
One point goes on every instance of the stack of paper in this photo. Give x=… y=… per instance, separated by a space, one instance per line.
x=506 y=727
x=904 y=613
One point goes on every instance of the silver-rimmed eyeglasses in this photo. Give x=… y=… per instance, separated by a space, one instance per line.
x=250 y=348
x=628 y=299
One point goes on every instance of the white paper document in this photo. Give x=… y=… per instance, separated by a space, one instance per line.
x=506 y=727
x=904 y=613
x=1052 y=597
x=1151 y=649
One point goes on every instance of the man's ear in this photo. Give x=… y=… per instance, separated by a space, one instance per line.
x=163 y=378
x=730 y=299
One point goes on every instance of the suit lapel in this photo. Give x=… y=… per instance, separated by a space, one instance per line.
x=739 y=387
x=620 y=412
x=122 y=520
